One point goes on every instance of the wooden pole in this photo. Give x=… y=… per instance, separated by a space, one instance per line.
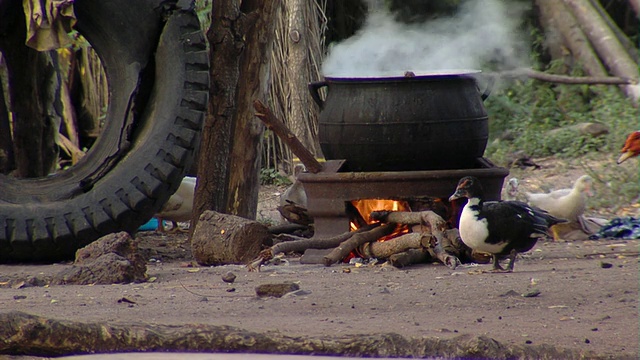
x=280 y=129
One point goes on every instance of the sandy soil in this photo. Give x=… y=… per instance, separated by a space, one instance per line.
x=576 y=295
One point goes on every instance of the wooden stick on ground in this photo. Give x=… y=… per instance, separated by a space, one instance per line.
x=384 y=249
x=433 y=221
x=410 y=257
x=313 y=243
x=304 y=244
x=280 y=129
x=346 y=247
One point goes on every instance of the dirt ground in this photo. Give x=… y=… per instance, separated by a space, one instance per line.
x=572 y=295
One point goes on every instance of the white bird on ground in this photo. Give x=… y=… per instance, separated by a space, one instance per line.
x=567 y=204
x=511 y=190
x=179 y=206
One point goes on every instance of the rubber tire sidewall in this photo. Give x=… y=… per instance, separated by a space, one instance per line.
x=162 y=145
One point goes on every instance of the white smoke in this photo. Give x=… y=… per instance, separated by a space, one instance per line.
x=480 y=32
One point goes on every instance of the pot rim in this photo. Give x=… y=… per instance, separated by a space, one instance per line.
x=410 y=75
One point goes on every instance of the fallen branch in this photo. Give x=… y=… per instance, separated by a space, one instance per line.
x=399 y=244
x=304 y=244
x=563 y=79
x=280 y=129
x=435 y=224
x=410 y=257
x=286 y=228
x=316 y=243
x=357 y=240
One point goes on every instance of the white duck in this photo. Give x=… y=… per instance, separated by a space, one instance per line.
x=511 y=190
x=567 y=204
x=179 y=206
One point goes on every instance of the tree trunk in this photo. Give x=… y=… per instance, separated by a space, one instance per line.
x=67 y=138
x=555 y=17
x=6 y=143
x=627 y=44
x=32 y=82
x=635 y=5
x=302 y=114
x=215 y=147
x=31 y=77
x=606 y=44
x=240 y=36
x=244 y=181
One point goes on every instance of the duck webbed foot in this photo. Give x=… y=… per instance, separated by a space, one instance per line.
x=499 y=269
x=512 y=260
x=176 y=229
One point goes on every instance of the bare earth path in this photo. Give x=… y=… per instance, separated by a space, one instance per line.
x=581 y=302
x=580 y=295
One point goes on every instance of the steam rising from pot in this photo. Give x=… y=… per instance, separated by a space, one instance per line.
x=481 y=32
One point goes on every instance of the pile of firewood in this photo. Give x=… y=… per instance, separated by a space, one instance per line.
x=426 y=239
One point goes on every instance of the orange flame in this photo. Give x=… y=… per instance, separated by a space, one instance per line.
x=366 y=206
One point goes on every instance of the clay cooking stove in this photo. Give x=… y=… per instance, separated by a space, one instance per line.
x=397 y=133
x=330 y=191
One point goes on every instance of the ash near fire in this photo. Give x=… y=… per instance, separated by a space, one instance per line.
x=480 y=34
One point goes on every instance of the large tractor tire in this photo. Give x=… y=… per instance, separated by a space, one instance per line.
x=155 y=58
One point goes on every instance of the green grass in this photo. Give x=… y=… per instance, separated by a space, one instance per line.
x=528 y=110
x=270 y=176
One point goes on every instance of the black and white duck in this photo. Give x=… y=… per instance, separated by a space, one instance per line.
x=501 y=228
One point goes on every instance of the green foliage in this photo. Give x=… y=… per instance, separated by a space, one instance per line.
x=529 y=110
x=203 y=9
x=271 y=176
x=616 y=185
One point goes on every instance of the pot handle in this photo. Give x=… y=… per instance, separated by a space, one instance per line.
x=487 y=91
x=315 y=94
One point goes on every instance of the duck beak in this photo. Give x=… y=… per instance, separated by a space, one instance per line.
x=589 y=192
x=460 y=193
x=624 y=156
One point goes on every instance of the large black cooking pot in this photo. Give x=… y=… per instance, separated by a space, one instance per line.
x=414 y=122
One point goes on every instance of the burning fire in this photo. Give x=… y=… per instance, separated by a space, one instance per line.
x=366 y=206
